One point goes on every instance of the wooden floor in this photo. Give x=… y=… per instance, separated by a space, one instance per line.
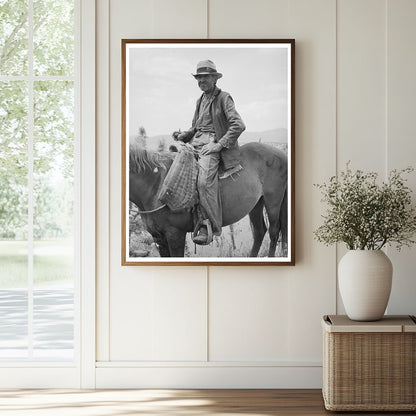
x=165 y=402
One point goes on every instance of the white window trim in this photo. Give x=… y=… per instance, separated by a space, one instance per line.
x=81 y=372
x=87 y=300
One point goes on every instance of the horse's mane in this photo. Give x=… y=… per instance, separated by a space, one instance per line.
x=140 y=158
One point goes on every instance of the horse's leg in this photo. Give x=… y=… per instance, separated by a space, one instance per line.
x=283 y=218
x=162 y=245
x=273 y=205
x=176 y=242
x=258 y=227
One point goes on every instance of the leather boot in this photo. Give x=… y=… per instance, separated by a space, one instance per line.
x=201 y=237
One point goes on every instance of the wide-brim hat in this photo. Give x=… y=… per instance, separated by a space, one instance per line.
x=207 y=67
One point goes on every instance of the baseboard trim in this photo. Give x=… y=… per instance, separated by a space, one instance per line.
x=204 y=364
x=39 y=378
x=210 y=377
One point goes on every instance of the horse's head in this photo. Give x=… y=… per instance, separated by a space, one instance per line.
x=143 y=161
x=147 y=169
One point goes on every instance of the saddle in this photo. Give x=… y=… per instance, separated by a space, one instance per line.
x=179 y=189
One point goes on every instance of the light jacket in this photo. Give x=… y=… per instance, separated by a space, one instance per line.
x=228 y=126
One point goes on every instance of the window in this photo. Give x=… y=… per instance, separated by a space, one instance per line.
x=38 y=185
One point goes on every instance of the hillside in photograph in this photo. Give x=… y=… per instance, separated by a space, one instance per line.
x=274 y=137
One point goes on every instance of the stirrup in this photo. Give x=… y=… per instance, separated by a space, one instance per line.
x=206 y=223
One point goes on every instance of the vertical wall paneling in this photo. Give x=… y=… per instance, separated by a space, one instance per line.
x=311 y=282
x=315 y=135
x=103 y=174
x=179 y=19
x=162 y=316
x=146 y=324
x=248 y=305
x=361 y=84
x=179 y=324
x=247 y=326
x=361 y=88
x=246 y=19
x=401 y=144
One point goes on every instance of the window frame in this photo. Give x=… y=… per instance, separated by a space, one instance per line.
x=81 y=371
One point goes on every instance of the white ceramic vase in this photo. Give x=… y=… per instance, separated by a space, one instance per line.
x=364 y=278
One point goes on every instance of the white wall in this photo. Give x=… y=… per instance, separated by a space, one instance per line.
x=248 y=326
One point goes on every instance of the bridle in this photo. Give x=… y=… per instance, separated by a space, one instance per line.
x=152 y=210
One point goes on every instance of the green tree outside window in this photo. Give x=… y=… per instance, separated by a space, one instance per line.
x=50 y=25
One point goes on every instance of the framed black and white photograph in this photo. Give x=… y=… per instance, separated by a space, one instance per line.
x=208 y=133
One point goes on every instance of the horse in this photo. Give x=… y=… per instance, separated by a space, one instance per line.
x=261 y=184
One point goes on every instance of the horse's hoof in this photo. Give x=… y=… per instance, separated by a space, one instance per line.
x=140 y=253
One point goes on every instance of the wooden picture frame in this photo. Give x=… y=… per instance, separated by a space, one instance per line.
x=161 y=94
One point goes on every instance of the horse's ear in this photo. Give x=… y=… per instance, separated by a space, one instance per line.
x=173 y=148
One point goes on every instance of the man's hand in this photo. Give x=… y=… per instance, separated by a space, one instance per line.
x=183 y=136
x=211 y=148
x=179 y=135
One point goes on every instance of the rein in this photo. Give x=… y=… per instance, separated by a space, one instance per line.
x=152 y=210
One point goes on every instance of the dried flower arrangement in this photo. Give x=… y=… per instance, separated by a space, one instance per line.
x=366 y=215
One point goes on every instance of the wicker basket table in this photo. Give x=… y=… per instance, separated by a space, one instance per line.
x=369 y=366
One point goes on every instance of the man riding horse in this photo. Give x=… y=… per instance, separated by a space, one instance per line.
x=216 y=127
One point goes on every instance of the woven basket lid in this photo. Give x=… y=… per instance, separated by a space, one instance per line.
x=390 y=323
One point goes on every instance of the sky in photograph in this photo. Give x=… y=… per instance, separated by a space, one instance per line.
x=163 y=92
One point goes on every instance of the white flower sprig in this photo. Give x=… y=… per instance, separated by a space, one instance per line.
x=365 y=215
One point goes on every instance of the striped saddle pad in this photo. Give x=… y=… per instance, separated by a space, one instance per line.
x=179 y=189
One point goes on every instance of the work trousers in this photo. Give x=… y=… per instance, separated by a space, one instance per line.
x=208 y=185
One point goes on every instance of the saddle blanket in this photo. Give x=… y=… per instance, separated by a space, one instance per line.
x=179 y=189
